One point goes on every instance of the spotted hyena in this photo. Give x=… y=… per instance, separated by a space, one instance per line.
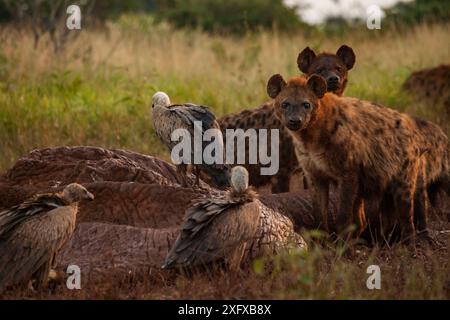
x=335 y=68
x=365 y=149
x=431 y=86
x=332 y=67
x=432 y=180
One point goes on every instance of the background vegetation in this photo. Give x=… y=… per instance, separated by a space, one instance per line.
x=95 y=89
x=98 y=90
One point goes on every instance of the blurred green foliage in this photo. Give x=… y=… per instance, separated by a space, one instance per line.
x=229 y=16
x=18 y=10
x=234 y=17
x=418 y=11
x=111 y=9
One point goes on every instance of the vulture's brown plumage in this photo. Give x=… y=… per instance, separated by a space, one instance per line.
x=233 y=227
x=32 y=233
x=167 y=118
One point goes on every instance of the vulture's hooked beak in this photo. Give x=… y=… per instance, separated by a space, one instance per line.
x=90 y=196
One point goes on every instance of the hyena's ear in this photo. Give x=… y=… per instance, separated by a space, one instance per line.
x=318 y=85
x=275 y=85
x=347 y=56
x=305 y=58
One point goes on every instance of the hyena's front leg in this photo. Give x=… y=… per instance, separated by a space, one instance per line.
x=404 y=194
x=421 y=200
x=404 y=205
x=359 y=216
x=348 y=196
x=320 y=200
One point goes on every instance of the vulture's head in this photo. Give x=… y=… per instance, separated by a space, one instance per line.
x=240 y=190
x=75 y=192
x=160 y=99
x=239 y=179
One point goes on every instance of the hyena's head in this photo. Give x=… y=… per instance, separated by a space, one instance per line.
x=296 y=102
x=332 y=67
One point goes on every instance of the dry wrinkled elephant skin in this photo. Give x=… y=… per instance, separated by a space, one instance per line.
x=297 y=206
x=99 y=247
x=60 y=166
x=136 y=204
x=11 y=195
x=128 y=203
x=156 y=206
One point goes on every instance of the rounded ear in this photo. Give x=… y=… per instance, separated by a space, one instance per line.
x=305 y=58
x=318 y=85
x=347 y=56
x=275 y=85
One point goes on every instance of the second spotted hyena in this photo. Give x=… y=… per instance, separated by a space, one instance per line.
x=365 y=149
x=334 y=67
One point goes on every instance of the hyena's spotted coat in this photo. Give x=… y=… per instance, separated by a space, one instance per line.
x=431 y=86
x=365 y=149
x=263 y=118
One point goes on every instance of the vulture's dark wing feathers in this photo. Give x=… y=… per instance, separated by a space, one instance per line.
x=190 y=113
x=212 y=228
x=31 y=245
x=10 y=218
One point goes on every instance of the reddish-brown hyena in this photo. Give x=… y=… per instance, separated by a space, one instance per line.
x=365 y=149
x=334 y=67
x=431 y=86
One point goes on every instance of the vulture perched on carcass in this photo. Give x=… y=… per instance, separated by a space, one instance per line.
x=167 y=118
x=232 y=227
x=32 y=233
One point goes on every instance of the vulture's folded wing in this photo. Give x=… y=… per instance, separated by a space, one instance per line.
x=212 y=231
x=190 y=113
x=33 y=243
x=10 y=218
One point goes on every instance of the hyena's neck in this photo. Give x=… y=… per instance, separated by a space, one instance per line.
x=324 y=113
x=318 y=128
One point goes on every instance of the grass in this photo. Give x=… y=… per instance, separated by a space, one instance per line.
x=325 y=272
x=98 y=92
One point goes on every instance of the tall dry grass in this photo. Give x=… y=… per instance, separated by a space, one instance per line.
x=98 y=90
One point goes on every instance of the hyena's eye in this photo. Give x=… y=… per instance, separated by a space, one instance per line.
x=285 y=105
x=306 y=105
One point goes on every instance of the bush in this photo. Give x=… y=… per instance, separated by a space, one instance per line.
x=419 y=11
x=230 y=16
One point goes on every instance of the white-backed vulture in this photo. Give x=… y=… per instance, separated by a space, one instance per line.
x=168 y=117
x=233 y=227
x=32 y=233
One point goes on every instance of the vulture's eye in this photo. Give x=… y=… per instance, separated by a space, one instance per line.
x=285 y=105
x=306 y=105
